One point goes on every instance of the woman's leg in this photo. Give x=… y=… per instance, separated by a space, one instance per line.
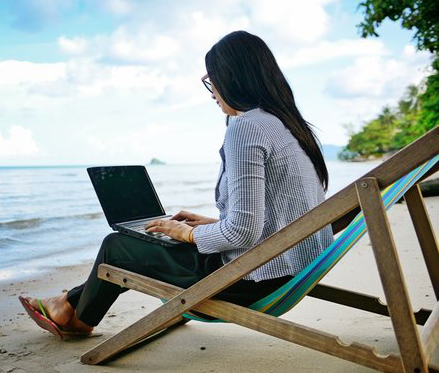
x=84 y=306
x=181 y=265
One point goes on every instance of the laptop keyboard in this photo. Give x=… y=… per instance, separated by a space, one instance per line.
x=141 y=229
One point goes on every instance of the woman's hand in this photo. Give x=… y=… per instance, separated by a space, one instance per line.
x=192 y=219
x=172 y=228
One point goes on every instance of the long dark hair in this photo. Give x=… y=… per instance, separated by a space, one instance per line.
x=246 y=75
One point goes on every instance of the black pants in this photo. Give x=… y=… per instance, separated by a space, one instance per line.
x=181 y=265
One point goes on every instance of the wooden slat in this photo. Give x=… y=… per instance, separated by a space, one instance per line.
x=430 y=334
x=360 y=301
x=324 y=214
x=289 y=331
x=426 y=237
x=227 y=275
x=391 y=275
x=342 y=222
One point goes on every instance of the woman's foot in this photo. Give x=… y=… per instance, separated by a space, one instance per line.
x=60 y=311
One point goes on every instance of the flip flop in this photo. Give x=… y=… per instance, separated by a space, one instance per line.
x=43 y=321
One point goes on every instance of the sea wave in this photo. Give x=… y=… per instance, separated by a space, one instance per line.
x=8 y=241
x=22 y=223
x=69 y=174
x=174 y=208
x=195 y=182
x=207 y=189
x=34 y=222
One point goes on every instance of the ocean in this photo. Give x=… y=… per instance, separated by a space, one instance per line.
x=50 y=216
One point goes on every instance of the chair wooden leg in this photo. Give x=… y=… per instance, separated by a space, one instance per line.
x=360 y=301
x=430 y=334
x=389 y=268
x=283 y=329
x=270 y=325
x=123 y=340
x=425 y=233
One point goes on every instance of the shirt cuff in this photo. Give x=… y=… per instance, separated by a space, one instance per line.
x=210 y=239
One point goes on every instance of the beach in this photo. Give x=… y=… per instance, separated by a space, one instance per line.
x=199 y=347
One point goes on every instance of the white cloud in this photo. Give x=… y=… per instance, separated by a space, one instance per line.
x=202 y=29
x=374 y=76
x=361 y=90
x=79 y=76
x=329 y=50
x=301 y=21
x=17 y=73
x=53 y=89
x=141 y=47
x=118 y=7
x=73 y=46
x=18 y=142
x=149 y=66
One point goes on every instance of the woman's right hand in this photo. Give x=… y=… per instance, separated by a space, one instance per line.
x=193 y=219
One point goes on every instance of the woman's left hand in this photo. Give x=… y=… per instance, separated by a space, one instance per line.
x=177 y=230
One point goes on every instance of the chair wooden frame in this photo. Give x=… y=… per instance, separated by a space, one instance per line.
x=415 y=350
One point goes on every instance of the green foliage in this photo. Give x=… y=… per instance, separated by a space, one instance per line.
x=429 y=116
x=421 y=15
x=416 y=113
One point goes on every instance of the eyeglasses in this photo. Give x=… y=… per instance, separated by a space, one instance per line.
x=206 y=81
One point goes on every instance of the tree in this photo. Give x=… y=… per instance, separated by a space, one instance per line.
x=395 y=127
x=418 y=111
x=421 y=15
x=410 y=102
x=429 y=114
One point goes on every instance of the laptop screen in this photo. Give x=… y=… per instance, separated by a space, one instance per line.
x=125 y=192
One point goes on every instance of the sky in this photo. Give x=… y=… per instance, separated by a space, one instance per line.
x=118 y=81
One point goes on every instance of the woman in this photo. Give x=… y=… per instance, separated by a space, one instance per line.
x=272 y=172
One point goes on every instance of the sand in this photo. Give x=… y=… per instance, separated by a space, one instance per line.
x=199 y=347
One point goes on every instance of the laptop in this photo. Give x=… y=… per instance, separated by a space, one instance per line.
x=129 y=201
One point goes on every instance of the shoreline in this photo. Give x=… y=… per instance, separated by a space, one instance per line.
x=199 y=347
x=55 y=230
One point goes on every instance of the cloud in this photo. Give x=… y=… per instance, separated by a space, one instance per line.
x=73 y=46
x=329 y=50
x=360 y=90
x=140 y=48
x=301 y=21
x=166 y=140
x=142 y=75
x=374 y=76
x=118 y=7
x=80 y=77
x=19 y=73
x=18 y=142
x=53 y=89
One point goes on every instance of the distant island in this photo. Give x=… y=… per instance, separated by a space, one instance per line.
x=156 y=161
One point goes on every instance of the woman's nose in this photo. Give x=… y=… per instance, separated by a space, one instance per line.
x=213 y=96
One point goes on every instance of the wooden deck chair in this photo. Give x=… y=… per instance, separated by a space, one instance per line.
x=407 y=168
